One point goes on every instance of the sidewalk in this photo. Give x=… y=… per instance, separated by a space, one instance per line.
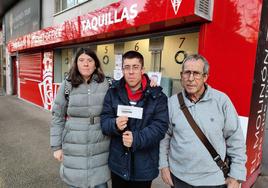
x=25 y=157
x=2 y=93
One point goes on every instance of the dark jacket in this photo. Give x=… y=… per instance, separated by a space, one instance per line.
x=140 y=162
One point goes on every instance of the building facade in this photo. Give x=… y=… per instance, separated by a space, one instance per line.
x=39 y=52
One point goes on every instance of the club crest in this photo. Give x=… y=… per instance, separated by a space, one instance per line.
x=176 y=5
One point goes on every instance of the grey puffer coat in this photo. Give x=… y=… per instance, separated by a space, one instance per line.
x=85 y=148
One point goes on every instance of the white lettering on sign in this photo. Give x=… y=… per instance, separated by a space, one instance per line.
x=109 y=18
x=19 y=44
x=52 y=35
x=261 y=115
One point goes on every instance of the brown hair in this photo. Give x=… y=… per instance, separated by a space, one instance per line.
x=74 y=75
x=133 y=54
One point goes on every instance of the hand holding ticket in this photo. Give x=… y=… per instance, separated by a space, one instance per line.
x=129 y=111
x=121 y=122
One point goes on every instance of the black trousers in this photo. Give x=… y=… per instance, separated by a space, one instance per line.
x=118 y=182
x=181 y=184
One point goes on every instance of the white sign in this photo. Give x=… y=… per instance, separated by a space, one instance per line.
x=155 y=76
x=118 y=74
x=118 y=61
x=129 y=111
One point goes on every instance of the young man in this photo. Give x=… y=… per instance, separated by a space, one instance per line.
x=134 y=147
x=184 y=160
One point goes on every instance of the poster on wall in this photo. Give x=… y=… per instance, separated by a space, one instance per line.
x=118 y=74
x=118 y=61
x=155 y=76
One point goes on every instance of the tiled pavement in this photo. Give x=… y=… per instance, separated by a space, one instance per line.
x=25 y=157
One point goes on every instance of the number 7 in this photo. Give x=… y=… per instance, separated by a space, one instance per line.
x=182 y=41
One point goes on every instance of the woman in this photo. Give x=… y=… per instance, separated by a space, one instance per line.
x=76 y=137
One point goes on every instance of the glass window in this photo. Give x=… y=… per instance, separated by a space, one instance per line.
x=65 y=4
x=175 y=49
x=70 y=3
x=81 y=1
x=166 y=59
x=106 y=56
x=67 y=56
x=63 y=59
x=57 y=6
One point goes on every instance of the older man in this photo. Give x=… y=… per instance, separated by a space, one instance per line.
x=184 y=159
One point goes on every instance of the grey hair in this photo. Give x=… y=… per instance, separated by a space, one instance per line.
x=196 y=57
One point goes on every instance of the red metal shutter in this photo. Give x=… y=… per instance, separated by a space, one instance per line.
x=30 y=66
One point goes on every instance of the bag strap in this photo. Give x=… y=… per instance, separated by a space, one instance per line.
x=216 y=157
x=67 y=89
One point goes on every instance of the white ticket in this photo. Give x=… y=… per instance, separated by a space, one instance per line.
x=129 y=111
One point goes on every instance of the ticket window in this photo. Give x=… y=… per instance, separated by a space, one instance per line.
x=63 y=59
x=110 y=55
x=141 y=46
x=66 y=61
x=161 y=54
x=165 y=54
x=106 y=56
x=175 y=49
x=156 y=60
x=156 y=47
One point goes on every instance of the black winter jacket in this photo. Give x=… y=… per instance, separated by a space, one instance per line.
x=140 y=162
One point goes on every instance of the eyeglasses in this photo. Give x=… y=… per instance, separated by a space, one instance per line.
x=188 y=73
x=134 y=68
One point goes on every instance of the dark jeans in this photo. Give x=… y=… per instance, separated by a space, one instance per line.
x=118 y=182
x=181 y=184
